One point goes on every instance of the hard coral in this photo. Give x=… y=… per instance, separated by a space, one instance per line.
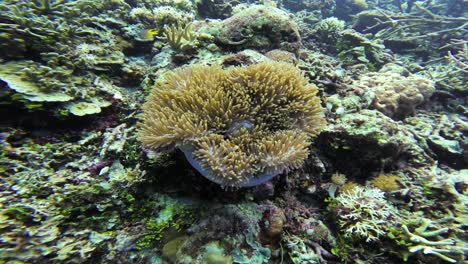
x=259 y=27
x=364 y=213
x=281 y=55
x=237 y=127
x=387 y=182
x=396 y=95
x=180 y=37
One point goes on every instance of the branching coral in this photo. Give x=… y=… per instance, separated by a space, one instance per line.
x=237 y=127
x=431 y=242
x=180 y=38
x=451 y=74
x=364 y=213
x=410 y=30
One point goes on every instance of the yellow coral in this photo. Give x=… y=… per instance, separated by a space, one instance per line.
x=386 y=183
x=348 y=187
x=338 y=179
x=180 y=38
x=238 y=126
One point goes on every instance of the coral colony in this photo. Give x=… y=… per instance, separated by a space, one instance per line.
x=233 y=131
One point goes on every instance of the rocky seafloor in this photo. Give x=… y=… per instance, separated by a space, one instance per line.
x=382 y=178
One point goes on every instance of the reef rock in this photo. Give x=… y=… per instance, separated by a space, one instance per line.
x=259 y=27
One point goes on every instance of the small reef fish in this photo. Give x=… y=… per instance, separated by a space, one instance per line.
x=149 y=33
x=235 y=148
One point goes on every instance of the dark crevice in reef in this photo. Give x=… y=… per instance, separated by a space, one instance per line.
x=176 y=175
x=139 y=49
x=44 y=127
x=358 y=158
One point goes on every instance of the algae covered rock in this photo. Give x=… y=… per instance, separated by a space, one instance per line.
x=345 y=9
x=327 y=32
x=237 y=127
x=13 y=74
x=368 y=141
x=281 y=55
x=32 y=83
x=260 y=27
x=243 y=58
x=215 y=8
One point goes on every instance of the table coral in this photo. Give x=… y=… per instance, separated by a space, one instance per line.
x=237 y=127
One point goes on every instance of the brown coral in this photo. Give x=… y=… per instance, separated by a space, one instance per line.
x=396 y=95
x=387 y=182
x=237 y=127
x=282 y=55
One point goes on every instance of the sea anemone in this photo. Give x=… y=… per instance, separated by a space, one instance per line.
x=238 y=127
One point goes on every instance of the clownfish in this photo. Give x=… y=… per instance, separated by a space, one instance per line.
x=235 y=148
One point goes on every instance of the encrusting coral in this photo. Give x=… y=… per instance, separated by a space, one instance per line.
x=238 y=127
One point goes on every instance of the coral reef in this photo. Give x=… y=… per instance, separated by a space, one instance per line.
x=64 y=66
x=373 y=142
x=260 y=27
x=180 y=38
x=395 y=95
x=361 y=103
x=238 y=127
x=41 y=201
x=363 y=213
x=216 y=8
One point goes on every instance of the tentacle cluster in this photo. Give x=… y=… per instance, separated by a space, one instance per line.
x=238 y=127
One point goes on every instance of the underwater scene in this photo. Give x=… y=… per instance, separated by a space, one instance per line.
x=233 y=131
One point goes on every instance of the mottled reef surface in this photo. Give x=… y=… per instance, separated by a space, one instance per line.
x=228 y=131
